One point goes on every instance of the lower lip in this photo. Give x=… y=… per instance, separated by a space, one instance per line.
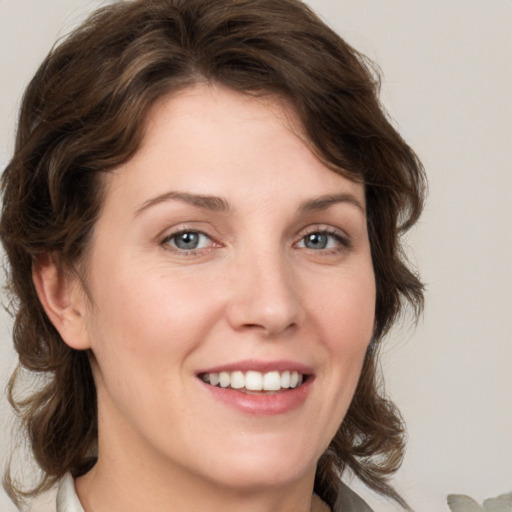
x=262 y=404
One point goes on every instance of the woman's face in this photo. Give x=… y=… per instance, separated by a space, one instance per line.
x=226 y=251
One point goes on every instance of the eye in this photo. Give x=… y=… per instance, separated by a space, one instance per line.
x=189 y=240
x=322 y=240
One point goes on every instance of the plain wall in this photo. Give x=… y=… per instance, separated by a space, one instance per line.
x=447 y=83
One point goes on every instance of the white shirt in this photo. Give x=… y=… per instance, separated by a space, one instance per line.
x=60 y=498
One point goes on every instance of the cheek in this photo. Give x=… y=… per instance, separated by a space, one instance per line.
x=149 y=319
x=345 y=312
x=345 y=316
x=143 y=329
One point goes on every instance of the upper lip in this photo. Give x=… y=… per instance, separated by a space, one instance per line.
x=259 y=366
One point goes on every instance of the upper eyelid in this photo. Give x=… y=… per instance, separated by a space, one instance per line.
x=170 y=236
x=180 y=231
x=187 y=227
x=324 y=228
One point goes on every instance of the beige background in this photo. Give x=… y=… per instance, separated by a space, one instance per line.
x=447 y=83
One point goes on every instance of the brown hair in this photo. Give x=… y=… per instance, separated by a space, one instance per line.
x=83 y=113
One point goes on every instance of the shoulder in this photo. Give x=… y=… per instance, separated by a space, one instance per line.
x=349 y=501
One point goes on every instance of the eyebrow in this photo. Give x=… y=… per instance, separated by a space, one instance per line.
x=212 y=203
x=324 y=202
x=218 y=204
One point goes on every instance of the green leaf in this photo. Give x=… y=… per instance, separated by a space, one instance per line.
x=463 y=503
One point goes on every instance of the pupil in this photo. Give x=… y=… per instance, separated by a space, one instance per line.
x=316 y=241
x=187 y=241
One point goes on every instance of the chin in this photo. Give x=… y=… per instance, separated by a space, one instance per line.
x=263 y=466
x=263 y=476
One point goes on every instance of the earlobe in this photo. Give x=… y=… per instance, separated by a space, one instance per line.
x=62 y=299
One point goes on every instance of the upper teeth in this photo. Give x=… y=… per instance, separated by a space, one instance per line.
x=255 y=381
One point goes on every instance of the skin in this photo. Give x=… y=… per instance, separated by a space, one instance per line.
x=254 y=288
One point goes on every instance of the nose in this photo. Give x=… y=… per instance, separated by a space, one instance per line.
x=264 y=297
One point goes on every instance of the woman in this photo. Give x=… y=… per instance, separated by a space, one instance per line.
x=202 y=219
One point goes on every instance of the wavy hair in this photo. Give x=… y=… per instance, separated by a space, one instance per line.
x=83 y=113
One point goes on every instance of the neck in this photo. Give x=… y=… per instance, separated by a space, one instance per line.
x=137 y=479
x=101 y=491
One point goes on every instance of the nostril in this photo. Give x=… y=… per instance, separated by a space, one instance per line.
x=270 y=328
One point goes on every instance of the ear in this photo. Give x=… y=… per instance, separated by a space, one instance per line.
x=63 y=300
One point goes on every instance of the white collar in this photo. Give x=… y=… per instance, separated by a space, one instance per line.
x=67 y=499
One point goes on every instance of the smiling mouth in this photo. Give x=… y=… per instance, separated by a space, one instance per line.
x=253 y=382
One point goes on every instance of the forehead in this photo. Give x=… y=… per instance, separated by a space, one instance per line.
x=220 y=141
x=198 y=106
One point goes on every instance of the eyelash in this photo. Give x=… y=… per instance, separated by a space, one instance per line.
x=343 y=242
x=188 y=252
